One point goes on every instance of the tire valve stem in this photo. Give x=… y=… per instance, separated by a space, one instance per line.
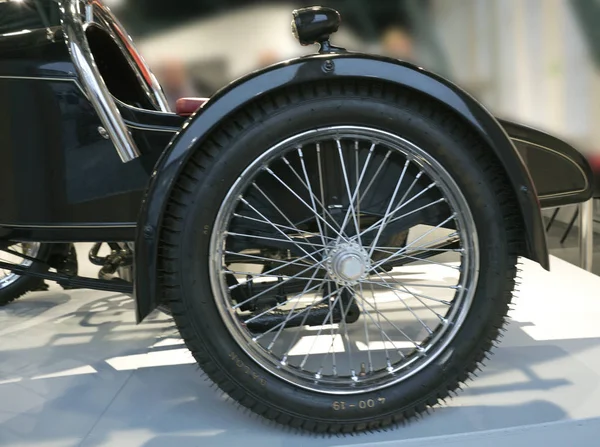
x=363 y=370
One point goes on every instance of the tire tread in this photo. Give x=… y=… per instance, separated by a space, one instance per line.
x=255 y=113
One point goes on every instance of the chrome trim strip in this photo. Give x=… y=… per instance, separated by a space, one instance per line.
x=92 y=82
x=153 y=112
x=149 y=128
x=40 y=78
x=48 y=78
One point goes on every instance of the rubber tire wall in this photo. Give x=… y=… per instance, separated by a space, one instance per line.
x=218 y=162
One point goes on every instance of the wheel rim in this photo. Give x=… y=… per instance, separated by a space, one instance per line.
x=8 y=277
x=342 y=260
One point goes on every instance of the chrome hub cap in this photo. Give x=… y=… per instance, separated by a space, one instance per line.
x=347 y=264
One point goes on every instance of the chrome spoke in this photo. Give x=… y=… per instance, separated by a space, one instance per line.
x=263 y=258
x=377 y=224
x=310 y=193
x=387 y=286
x=352 y=197
x=427 y=328
x=426 y=261
x=301 y=200
x=274 y=226
x=7 y=276
x=339 y=294
x=367 y=338
x=281 y=266
x=346 y=337
x=416 y=296
x=291 y=312
x=289 y=278
x=262 y=275
x=437 y=286
x=283 y=227
x=328 y=280
x=287 y=219
x=279 y=305
x=304 y=319
x=321 y=187
x=383 y=333
x=387 y=155
x=300 y=312
x=402 y=250
x=272 y=239
x=387 y=213
x=440 y=250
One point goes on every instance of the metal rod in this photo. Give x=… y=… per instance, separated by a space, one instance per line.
x=586 y=234
x=92 y=82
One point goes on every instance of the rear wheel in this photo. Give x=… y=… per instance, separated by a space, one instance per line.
x=339 y=258
x=13 y=286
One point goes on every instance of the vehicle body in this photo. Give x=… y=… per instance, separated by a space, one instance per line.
x=76 y=97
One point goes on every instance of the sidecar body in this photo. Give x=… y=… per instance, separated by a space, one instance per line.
x=85 y=124
x=91 y=152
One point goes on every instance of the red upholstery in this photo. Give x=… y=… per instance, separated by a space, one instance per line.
x=594 y=161
x=187 y=106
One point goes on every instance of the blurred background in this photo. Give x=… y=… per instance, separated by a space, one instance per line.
x=530 y=60
x=534 y=61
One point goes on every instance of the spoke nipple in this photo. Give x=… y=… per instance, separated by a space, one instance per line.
x=285 y=160
x=363 y=370
x=354 y=377
x=318 y=376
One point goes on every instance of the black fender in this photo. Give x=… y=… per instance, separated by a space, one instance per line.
x=310 y=69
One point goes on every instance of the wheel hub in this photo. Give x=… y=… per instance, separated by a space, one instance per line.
x=348 y=263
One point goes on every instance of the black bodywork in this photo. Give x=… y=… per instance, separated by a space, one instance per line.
x=62 y=180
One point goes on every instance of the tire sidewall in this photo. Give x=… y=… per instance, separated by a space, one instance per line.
x=201 y=312
x=23 y=283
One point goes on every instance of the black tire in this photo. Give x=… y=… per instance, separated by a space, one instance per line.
x=24 y=284
x=201 y=188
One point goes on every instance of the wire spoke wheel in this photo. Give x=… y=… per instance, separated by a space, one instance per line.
x=340 y=256
x=30 y=249
x=346 y=259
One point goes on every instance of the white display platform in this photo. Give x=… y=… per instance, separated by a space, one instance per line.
x=75 y=369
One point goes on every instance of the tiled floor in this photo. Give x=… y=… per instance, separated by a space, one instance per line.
x=76 y=370
x=569 y=251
